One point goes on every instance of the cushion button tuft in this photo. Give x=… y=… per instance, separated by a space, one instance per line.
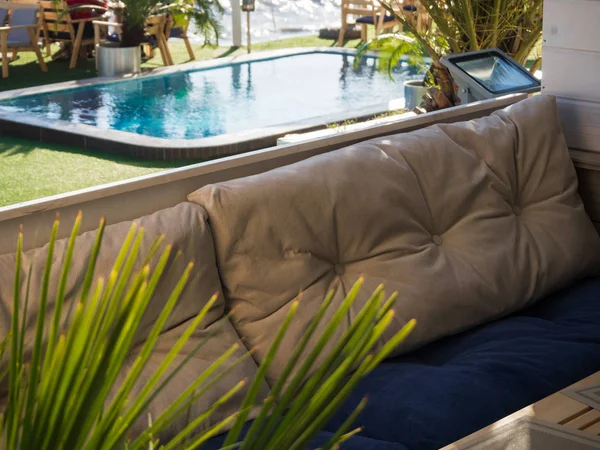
x=518 y=211
x=339 y=269
x=437 y=240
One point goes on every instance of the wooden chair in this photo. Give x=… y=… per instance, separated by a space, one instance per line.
x=45 y=44
x=413 y=10
x=363 y=9
x=58 y=26
x=21 y=33
x=416 y=14
x=370 y=13
x=155 y=27
x=180 y=31
x=423 y=18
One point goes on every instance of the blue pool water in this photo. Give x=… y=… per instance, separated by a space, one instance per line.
x=234 y=98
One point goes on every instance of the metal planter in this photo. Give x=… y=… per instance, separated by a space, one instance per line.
x=113 y=61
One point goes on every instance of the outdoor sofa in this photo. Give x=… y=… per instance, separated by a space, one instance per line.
x=479 y=227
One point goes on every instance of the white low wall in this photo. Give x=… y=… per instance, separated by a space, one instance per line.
x=571 y=51
x=127 y=200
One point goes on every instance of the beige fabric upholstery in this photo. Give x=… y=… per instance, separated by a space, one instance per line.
x=222 y=337
x=467 y=221
x=186 y=229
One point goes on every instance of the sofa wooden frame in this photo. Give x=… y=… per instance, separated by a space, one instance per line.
x=130 y=199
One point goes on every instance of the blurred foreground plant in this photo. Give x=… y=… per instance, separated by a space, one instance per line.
x=64 y=395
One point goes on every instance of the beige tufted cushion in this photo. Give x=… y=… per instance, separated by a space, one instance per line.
x=467 y=221
x=186 y=228
x=221 y=336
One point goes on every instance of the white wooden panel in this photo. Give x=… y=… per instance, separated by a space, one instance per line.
x=572 y=24
x=571 y=73
x=581 y=123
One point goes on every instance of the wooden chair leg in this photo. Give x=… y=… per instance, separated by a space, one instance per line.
x=4 y=52
x=165 y=51
x=340 y=41
x=148 y=50
x=96 y=34
x=363 y=32
x=37 y=50
x=189 y=48
x=76 y=46
x=47 y=42
x=162 y=53
x=168 y=50
x=379 y=24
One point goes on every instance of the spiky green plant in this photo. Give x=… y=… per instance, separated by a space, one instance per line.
x=391 y=49
x=458 y=26
x=64 y=395
x=513 y=26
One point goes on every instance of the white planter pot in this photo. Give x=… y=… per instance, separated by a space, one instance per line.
x=112 y=61
x=413 y=92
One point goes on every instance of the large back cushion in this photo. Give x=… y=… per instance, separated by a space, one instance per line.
x=185 y=228
x=467 y=221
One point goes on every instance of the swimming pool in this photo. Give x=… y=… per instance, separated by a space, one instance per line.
x=239 y=100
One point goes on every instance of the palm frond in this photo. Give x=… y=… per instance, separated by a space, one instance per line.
x=466 y=25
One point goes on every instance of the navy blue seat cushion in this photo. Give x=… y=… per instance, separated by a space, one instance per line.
x=369 y=19
x=409 y=8
x=356 y=442
x=451 y=388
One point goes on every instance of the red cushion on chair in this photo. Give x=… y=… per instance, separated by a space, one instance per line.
x=86 y=13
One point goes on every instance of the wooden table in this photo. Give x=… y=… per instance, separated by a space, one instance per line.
x=559 y=409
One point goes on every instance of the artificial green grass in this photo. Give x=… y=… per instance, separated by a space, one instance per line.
x=30 y=170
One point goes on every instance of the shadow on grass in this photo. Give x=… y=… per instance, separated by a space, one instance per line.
x=15 y=146
x=228 y=52
x=29 y=74
x=12 y=150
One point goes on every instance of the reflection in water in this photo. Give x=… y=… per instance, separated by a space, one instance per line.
x=237 y=80
x=249 y=90
x=225 y=100
x=236 y=77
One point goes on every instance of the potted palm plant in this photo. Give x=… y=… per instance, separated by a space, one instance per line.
x=513 y=26
x=123 y=55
